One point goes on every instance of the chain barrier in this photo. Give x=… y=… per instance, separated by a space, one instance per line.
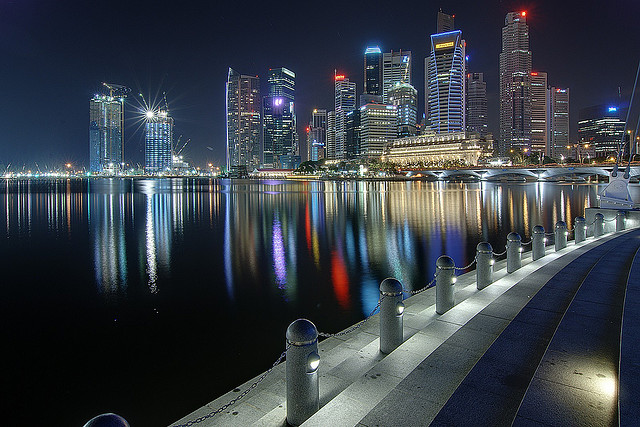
x=429 y=285
x=610 y=220
x=240 y=396
x=550 y=234
x=527 y=243
x=468 y=266
x=500 y=254
x=356 y=326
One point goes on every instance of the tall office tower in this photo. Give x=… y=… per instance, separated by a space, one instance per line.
x=515 y=89
x=446 y=80
x=540 y=114
x=476 y=104
x=352 y=137
x=445 y=22
x=600 y=129
x=373 y=71
x=279 y=118
x=405 y=98
x=345 y=101
x=106 y=130
x=244 y=123
x=330 y=151
x=559 y=128
x=396 y=68
x=378 y=126
x=158 y=142
x=317 y=140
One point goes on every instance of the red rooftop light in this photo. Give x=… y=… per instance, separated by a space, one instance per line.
x=524 y=13
x=340 y=77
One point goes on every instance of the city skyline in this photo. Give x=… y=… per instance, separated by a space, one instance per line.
x=51 y=60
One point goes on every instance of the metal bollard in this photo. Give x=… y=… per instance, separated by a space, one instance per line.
x=514 y=252
x=538 y=241
x=107 y=420
x=561 y=235
x=445 y=284
x=580 y=229
x=391 y=314
x=484 y=267
x=621 y=218
x=598 y=227
x=303 y=393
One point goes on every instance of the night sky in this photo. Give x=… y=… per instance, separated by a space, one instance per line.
x=55 y=54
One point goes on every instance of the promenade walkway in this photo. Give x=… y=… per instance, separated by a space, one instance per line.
x=539 y=346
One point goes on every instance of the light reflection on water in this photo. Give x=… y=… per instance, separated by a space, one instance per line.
x=243 y=250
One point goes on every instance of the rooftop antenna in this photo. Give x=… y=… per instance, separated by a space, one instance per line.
x=166 y=104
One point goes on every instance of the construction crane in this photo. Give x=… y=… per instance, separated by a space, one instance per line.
x=176 y=151
x=120 y=90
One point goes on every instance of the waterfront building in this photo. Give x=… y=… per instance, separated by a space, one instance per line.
x=353 y=132
x=445 y=89
x=515 y=86
x=158 y=142
x=244 y=123
x=106 y=130
x=454 y=148
x=600 y=128
x=405 y=98
x=317 y=135
x=373 y=71
x=396 y=68
x=476 y=110
x=540 y=110
x=378 y=127
x=559 y=127
x=330 y=151
x=345 y=101
x=445 y=22
x=279 y=118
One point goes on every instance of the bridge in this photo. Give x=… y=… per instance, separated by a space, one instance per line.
x=519 y=173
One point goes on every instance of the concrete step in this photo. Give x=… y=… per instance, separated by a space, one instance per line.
x=576 y=380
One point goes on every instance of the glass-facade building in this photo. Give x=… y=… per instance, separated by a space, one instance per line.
x=106 y=133
x=378 y=126
x=244 y=123
x=396 y=68
x=515 y=85
x=317 y=135
x=158 y=143
x=559 y=126
x=279 y=117
x=600 y=129
x=405 y=98
x=540 y=110
x=373 y=71
x=345 y=101
x=476 y=104
x=446 y=82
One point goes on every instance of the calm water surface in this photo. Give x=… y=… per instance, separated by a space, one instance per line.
x=149 y=298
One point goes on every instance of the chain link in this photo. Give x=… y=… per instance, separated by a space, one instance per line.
x=550 y=234
x=240 y=396
x=431 y=284
x=356 y=326
x=468 y=266
x=527 y=243
x=500 y=254
x=610 y=220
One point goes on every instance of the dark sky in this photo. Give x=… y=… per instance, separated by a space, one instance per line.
x=56 y=53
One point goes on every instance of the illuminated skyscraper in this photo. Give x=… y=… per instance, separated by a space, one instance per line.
x=396 y=68
x=244 y=124
x=404 y=97
x=515 y=86
x=106 y=130
x=446 y=79
x=158 y=142
x=345 y=101
x=559 y=128
x=600 y=129
x=378 y=126
x=330 y=151
x=373 y=71
x=476 y=104
x=540 y=113
x=317 y=139
x=279 y=129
